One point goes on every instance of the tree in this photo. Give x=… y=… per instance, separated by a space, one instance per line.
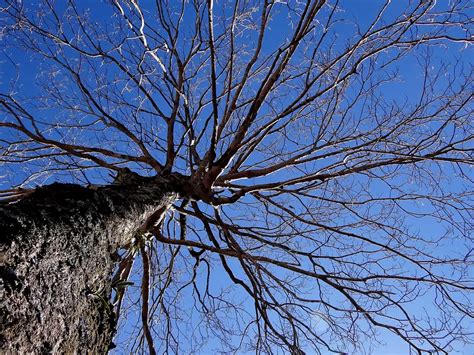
x=286 y=176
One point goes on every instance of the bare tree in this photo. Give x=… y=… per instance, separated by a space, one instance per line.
x=302 y=173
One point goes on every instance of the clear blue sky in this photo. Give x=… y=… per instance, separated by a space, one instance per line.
x=407 y=88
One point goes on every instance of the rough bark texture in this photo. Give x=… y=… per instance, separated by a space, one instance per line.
x=56 y=260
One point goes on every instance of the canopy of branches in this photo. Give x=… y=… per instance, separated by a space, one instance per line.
x=324 y=150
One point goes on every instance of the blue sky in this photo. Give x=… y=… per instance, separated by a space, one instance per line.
x=405 y=90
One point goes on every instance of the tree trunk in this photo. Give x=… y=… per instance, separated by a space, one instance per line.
x=56 y=261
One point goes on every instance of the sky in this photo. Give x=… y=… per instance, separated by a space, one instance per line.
x=15 y=62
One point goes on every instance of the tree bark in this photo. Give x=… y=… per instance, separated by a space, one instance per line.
x=57 y=251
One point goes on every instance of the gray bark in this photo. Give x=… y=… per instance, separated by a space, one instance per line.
x=56 y=260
